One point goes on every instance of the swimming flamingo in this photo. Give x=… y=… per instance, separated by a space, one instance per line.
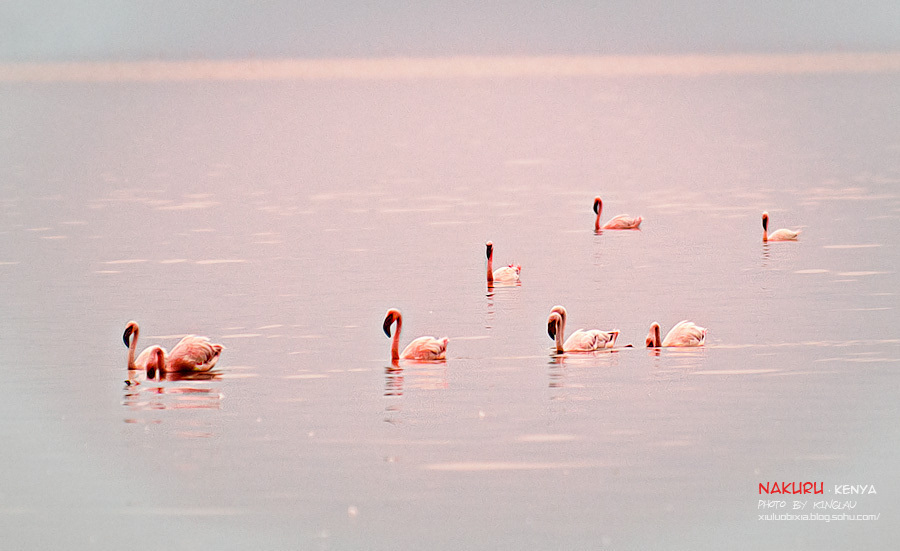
x=685 y=333
x=777 y=235
x=193 y=353
x=507 y=274
x=581 y=340
x=621 y=222
x=423 y=348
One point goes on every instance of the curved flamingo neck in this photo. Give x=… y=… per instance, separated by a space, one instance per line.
x=560 y=329
x=132 y=346
x=562 y=315
x=559 y=337
x=395 y=340
x=160 y=356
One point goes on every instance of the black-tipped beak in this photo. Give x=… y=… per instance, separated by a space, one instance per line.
x=596 y=206
x=151 y=373
x=489 y=250
x=386 y=326
x=551 y=328
x=127 y=335
x=766 y=223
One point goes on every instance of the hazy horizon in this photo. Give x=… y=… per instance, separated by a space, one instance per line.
x=96 y=30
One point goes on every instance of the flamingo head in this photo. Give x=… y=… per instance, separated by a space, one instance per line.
x=392 y=316
x=653 y=336
x=131 y=328
x=489 y=249
x=561 y=311
x=553 y=324
x=765 y=220
x=598 y=205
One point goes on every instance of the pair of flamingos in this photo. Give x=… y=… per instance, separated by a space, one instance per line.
x=430 y=348
x=625 y=222
x=686 y=333
x=191 y=354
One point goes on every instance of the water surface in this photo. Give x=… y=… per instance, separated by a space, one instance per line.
x=283 y=218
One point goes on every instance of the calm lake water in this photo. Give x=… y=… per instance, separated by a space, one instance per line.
x=283 y=219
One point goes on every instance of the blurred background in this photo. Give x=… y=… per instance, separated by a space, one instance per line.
x=125 y=31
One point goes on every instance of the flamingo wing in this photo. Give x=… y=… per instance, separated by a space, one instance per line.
x=194 y=353
x=685 y=333
x=426 y=348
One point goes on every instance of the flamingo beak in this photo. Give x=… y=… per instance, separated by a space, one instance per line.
x=151 y=373
x=766 y=222
x=386 y=326
x=551 y=328
x=127 y=335
x=489 y=250
x=597 y=206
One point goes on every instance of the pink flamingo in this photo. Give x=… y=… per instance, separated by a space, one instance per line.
x=777 y=235
x=621 y=222
x=685 y=333
x=507 y=274
x=581 y=340
x=423 y=348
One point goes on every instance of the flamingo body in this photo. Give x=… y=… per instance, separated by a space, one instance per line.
x=589 y=340
x=623 y=222
x=426 y=348
x=684 y=334
x=193 y=353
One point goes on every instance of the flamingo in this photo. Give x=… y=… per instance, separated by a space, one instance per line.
x=621 y=222
x=423 y=348
x=193 y=353
x=685 y=333
x=777 y=235
x=581 y=340
x=507 y=274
